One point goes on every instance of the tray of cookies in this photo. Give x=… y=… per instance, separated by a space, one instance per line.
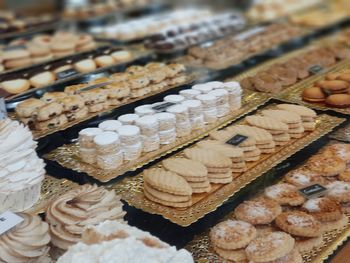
x=283 y=73
x=328 y=91
x=303 y=218
x=76 y=103
x=28 y=82
x=231 y=158
x=153 y=130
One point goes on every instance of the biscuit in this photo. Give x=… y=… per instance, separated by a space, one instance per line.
x=15 y=86
x=341 y=150
x=232 y=234
x=314 y=95
x=338 y=100
x=167 y=203
x=284 y=194
x=270 y=247
x=221 y=180
x=51 y=123
x=225 y=149
x=104 y=61
x=323 y=209
x=320 y=164
x=166 y=196
x=74 y=89
x=96 y=107
x=49 y=111
x=225 y=135
x=283 y=116
x=303 y=177
x=336 y=224
x=301 y=110
x=53 y=96
x=258 y=211
x=261 y=136
x=167 y=181
x=307 y=244
x=189 y=169
x=72 y=103
x=284 y=137
x=85 y=66
x=209 y=158
x=28 y=108
x=267 y=123
x=339 y=191
x=76 y=115
x=237 y=255
x=42 y=79
x=299 y=223
x=309 y=125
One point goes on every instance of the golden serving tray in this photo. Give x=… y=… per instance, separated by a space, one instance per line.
x=294 y=95
x=202 y=251
x=51 y=188
x=131 y=189
x=68 y=155
x=40 y=134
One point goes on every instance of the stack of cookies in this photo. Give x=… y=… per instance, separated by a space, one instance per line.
x=195 y=111
x=27 y=111
x=87 y=150
x=236 y=154
x=293 y=120
x=234 y=94
x=209 y=103
x=167 y=188
x=131 y=142
x=108 y=150
x=117 y=92
x=74 y=107
x=195 y=173
x=218 y=165
x=95 y=99
x=278 y=129
x=230 y=238
x=149 y=132
x=183 y=123
x=110 y=125
x=222 y=102
x=50 y=116
x=307 y=115
x=167 y=127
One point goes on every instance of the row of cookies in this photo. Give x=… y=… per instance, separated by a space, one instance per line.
x=333 y=90
x=84 y=64
x=234 y=49
x=154 y=125
x=55 y=109
x=282 y=213
x=279 y=76
x=41 y=48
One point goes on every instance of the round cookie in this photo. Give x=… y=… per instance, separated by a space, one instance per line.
x=338 y=100
x=326 y=165
x=323 y=209
x=313 y=94
x=284 y=194
x=15 y=86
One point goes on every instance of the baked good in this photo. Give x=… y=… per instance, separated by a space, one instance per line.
x=320 y=164
x=104 y=61
x=85 y=65
x=166 y=188
x=110 y=239
x=15 y=86
x=338 y=100
x=284 y=194
x=50 y=110
x=22 y=171
x=314 y=94
x=334 y=86
x=53 y=96
x=258 y=211
x=271 y=247
x=323 y=209
x=304 y=177
x=340 y=150
x=28 y=108
x=86 y=205
x=121 y=55
x=27 y=242
x=299 y=223
x=42 y=79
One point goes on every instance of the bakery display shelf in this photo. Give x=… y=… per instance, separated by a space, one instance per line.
x=39 y=134
x=68 y=154
x=295 y=95
x=100 y=46
x=51 y=188
x=50 y=26
x=342 y=134
x=137 y=56
x=203 y=252
x=131 y=189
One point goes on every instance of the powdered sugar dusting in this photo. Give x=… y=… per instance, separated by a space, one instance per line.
x=313 y=205
x=299 y=220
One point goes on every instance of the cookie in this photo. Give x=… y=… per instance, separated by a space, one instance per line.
x=28 y=108
x=167 y=203
x=232 y=234
x=320 y=164
x=53 y=96
x=261 y=136
x=323 y=209
x=78 y=114
x=238 y=255
x=335 y=86
x=338 y=100
x=284 y=116
x=336 y=224
x=303 y=177
x=48 y=111
x=104 y=61
x=192 y=171
x=225 y=135
x=230 y=151
x=339 y=191
x=314 y=95
x=42 y=79
x=299 y=223
x=303 y=111
x=52 y=123
x=166 y=196
x=258 y=211
x=72 y=103
x=85 y=66
x=341 y=150
x=284 y=194
x=74 y=89
x=303 y=244
x=167 y=181
x=270 y=247
x=267 y=123
x=15 y=86
x=209 y=158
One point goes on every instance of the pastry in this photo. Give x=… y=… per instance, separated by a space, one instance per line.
x=87 y=205
x=53 y=96
x=323 y=209
x=28 y=108
x=51 y=123
x=334 y=86
x=284 y=194
x=48 y=111
x=85 y=66
x=121 y=56
x=304 y=177
x=258 y=211
x=340 y=150
x=104 y=61
x=338 y=100
x=42 y=79
x=110 y=125
x=314 y=94
x=320 y=164
x=15 y=86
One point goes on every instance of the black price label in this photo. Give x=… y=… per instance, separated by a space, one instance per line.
x=315 y=69
x=237 y=139
x=66 y=73
x=3 y=111
x=313 y=191
x=163 y=106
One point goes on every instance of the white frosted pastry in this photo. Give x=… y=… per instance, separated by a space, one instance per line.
x=70 y=213
x=203 y=88
x=111 y=240
x=128 y=119
x=21 y=171
x=28 y=242
x=189 y=93
x=174 y=98
x=110 y=125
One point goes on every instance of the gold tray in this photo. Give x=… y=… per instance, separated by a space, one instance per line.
x=40 y=134
x=131 y=189
x=51 y=188
x=294 y=95
x=68 y=156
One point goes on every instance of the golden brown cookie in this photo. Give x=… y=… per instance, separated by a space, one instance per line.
x=284 y=194
x=323 y=209
x=303 y=177
x=326 y=165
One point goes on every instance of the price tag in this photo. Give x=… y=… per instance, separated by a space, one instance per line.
x=315 y=69
x=66 y=73
x=3 y=111
x=237 y=139
x=9 y=220
x=163 y=106
x=313 y=191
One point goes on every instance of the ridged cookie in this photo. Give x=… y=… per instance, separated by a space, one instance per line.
x=207 y=157
x=266 y=123
x=284 y=194
x=298 y=109
x=186 y=168
x=261 y=136
x=284 y=116
x=225 y=149
x=225 y=135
